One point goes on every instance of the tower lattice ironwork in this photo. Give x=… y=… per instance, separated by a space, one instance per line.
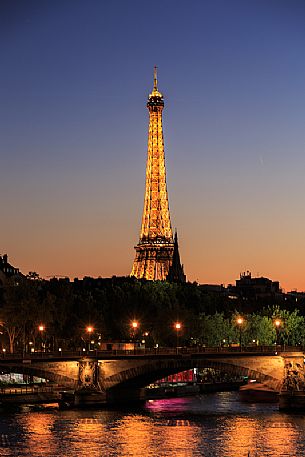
x=154 y=252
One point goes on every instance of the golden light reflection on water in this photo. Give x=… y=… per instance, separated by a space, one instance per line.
x=141 y=436
x=210 y=426
x=38 y=433
x=278 y=434
x=241 y=437
x=134 y=436
x=86 y=435
x=260 y=436
x=184 y=438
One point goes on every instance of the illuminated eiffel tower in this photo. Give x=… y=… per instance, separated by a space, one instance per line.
x=155 y=250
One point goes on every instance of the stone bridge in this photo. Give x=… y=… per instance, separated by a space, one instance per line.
x=124 y=375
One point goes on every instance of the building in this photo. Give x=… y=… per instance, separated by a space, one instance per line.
x=250 y=288
x=175 y=272
x=7 y=270
x=156 y=248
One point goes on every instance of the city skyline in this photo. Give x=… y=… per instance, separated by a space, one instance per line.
x=74 y=135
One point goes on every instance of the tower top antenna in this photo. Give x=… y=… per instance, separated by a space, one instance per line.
x=155 y=92
x=155 y=78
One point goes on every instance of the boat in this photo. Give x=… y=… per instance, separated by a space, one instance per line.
x=173 y=390
x=257 y=392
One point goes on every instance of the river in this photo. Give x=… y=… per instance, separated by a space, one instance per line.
x=214 y=425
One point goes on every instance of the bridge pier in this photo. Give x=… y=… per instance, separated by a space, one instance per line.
x=88 y=374
x=88 y=391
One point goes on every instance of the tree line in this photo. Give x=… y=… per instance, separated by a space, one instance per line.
x=65 y=309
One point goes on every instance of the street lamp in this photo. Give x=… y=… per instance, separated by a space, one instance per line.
x=240 y=322
x=41 y=329
x=145 y=335
x=277 y=324
x=177 y=328
x=89 y=330
x=134 y=326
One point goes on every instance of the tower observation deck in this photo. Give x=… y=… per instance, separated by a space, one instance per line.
x=155 y=250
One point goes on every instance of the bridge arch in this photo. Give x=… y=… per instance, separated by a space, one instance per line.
x=145 y=374
x=40 y=372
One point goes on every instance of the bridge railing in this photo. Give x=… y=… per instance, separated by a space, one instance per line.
x=160 y=351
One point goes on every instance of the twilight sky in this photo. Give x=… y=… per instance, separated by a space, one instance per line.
x=74 y=80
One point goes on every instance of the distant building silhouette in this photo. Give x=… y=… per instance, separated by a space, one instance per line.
x=250 y=288
x=7 y=270
x=175 y=272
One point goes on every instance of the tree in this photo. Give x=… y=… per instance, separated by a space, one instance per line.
x=214 y=329
x=20 y=303
x=261 y=329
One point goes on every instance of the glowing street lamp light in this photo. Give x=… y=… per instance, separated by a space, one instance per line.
x=134 y=326
x=177 y=327
x=41 y=328
x=31 y=347
x=277 y=324
x=240 y=322
x=89 y=330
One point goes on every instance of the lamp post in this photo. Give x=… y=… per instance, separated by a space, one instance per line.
x=134 y=326
x=177 y=328
x=277 y=324
x=41 y=329
x=144 y=341
x=240 y=322
x=89 y=330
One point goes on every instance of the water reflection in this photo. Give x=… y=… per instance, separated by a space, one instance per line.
x=86 y=434
x=36 y=433
x=214 y=425
x=135 y=434
x=278 y=435
x=271 y=436
x=241 y=434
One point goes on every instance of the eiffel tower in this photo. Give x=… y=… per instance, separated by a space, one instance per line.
x=155 y=250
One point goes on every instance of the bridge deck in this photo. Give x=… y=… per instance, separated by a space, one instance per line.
x=151 y=353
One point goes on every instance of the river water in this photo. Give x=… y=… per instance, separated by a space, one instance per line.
x=214 y=425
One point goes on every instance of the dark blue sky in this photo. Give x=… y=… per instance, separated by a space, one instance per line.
x=73 y=131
